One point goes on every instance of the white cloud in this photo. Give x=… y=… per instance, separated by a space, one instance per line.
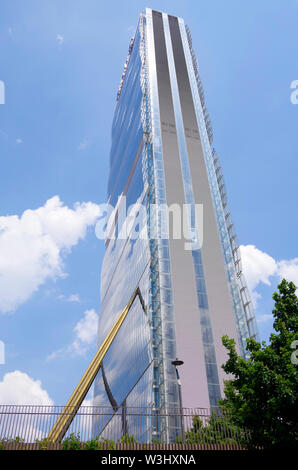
x=259 y=267
x=85 y=335
x=100 y=400
x=86 y=332
x=19 y=141
x=87 y=402
x=86 y=328
x=288 y=269
x=54 y=354
x=60 y=38
x=74 y=298
x=33 y=246
x=70 y=298
x=84 y=144
x=17 y=388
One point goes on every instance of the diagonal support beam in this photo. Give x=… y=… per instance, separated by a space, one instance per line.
x=68 y=413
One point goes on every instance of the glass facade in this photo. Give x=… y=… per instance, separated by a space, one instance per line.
x=138 y=369
x=136 y=177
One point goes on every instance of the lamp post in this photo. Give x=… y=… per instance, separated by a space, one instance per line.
x=178 y=363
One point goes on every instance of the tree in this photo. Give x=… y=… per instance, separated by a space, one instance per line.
x=262 y=395
x=217 y=429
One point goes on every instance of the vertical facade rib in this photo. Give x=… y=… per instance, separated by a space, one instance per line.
x=162 y=154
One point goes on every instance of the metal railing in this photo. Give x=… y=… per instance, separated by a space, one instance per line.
x=32 y=423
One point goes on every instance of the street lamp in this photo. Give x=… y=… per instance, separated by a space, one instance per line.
x=177 y=362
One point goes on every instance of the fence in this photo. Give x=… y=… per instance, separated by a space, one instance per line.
x=124 y=425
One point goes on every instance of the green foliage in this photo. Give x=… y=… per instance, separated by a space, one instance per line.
x=93 y=444
x=110 y=444
x=72 y=442
x=218 y=429
x=127 y=439
x=16 y=440
x=43 y=443
x=156 y=441
x=262 y=395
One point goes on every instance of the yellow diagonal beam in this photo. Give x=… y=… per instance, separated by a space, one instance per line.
x=69 y=411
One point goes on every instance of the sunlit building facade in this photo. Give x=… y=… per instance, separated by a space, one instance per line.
x=192 y=287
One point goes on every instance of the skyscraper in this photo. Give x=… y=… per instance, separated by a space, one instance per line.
x=192 y=290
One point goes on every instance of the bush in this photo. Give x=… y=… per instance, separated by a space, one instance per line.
x=93 y=444
x=43 y=444
x=72 y=442
x=127 y=439
x=110 y=444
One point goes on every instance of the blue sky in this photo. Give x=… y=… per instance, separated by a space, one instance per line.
x=61 y=63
